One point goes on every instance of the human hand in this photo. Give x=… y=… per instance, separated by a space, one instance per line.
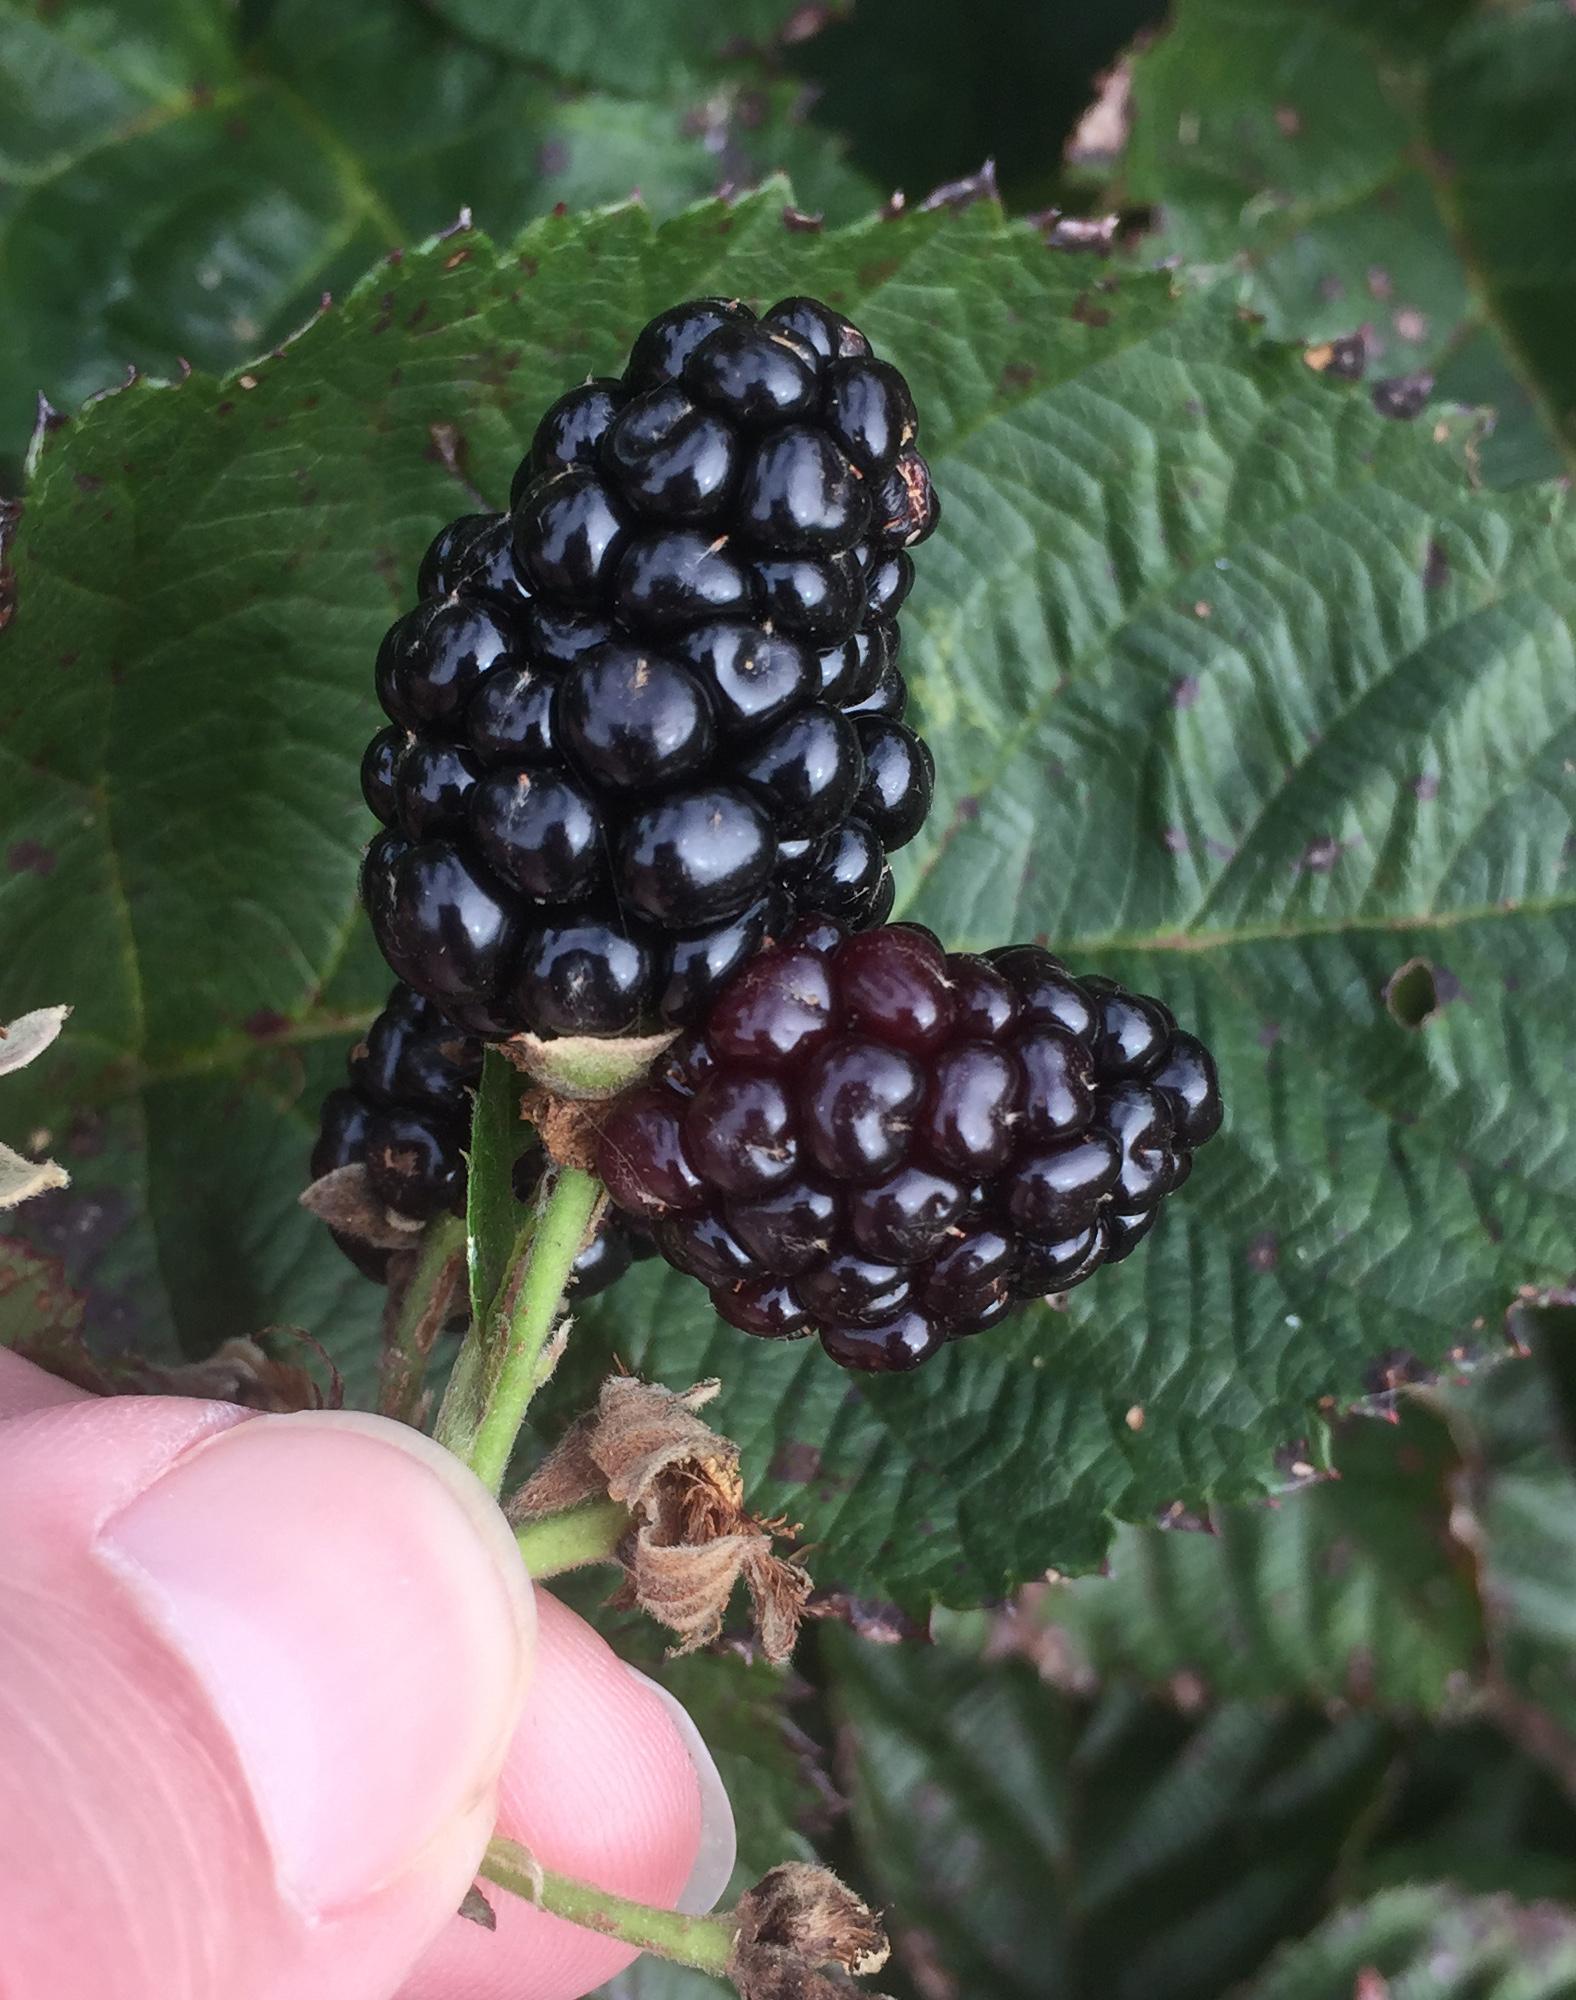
x=267 y=1684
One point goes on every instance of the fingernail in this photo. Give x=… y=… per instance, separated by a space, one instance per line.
x=352 y=1602
x=719 y=1842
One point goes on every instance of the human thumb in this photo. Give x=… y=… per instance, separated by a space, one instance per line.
x=258 y=1675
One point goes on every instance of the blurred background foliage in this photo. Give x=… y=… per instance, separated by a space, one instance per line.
x=184 y=179
x=1323 y=1749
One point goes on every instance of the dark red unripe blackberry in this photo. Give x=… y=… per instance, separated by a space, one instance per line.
x=656 y=704
x=888 y=1144
x=405 y=1116
x=692 y=965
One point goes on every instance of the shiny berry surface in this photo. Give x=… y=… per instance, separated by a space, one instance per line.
x=670 y=459
x=658 y=698
x=888 y=1145
x=572 y=430
x=695 y=857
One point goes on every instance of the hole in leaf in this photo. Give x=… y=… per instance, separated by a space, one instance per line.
x=1412 y=994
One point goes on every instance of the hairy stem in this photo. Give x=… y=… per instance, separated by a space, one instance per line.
x=704 y=1943
x=416 y=1317
x=506 y=1358
x=587 y=1533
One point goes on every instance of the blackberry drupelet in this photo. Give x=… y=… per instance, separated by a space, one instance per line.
x=890 y=1145
x=644 y=719
x=405 y=1115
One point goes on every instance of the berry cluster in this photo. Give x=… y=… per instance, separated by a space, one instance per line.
x=890 y=1145
x=640 y=721
x=405 y=1114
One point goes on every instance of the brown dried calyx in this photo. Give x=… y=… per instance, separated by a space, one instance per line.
x=691 y=1540
x=800 y=1931
x=345 y=1201
x=585 y=1067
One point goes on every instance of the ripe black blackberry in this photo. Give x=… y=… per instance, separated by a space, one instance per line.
x=889 y=1145
x=644 y=719
x=405 y=1115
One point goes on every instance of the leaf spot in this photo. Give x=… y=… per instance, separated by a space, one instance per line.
x=1436 y=564
x=1418 y=991
x=27 y=857
x=795 y=1463
x=1264 y=1252
x=1320 y=855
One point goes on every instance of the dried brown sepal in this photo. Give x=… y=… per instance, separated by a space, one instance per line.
x=21 y=1179
x=345 y=1201
x=566 y=1126
x=583 y=1067
x=693 y=1541
x=800 y=1931
x=23 y=1041
x=476 y=1909
x=1100 y=137
x=249 y=1372
x=240 y=1371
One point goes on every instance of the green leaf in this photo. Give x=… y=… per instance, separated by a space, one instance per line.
x=171 y=188
x=1427 y=1943
x=1238 y=691
x=631 y=45
x=493 y=1217
x=1516 y=1506
x=1029 y=1844
x=928 y=91
x=1025 y=1839
x=1404 y=169
x=1350 y=1590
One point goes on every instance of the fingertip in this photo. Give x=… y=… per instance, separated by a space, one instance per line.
x=603 y=1784
x=717 y=1851
x=354 y=1606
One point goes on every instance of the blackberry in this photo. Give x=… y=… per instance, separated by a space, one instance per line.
x=891 y=1145
x=405 y=1115
x=653 y=712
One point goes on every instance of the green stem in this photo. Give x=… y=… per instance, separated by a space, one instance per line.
x=588 y=1533
x=704 y=1943
x=505 y=1360
x=417 y=1315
